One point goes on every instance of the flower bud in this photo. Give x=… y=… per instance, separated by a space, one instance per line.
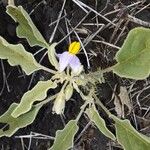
x=68 y=91
x=76 y=71
x=59 y=104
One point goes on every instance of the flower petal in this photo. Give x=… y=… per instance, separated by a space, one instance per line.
x=74 y=47
x=75 y=64
x=64 y=60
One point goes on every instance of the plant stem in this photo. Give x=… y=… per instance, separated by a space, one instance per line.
x=82 y=110
x=48 y=70
x=101 y=105
x=47 y=100
x=108 y=69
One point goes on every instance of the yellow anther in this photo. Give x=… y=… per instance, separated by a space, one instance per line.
x=74 y=48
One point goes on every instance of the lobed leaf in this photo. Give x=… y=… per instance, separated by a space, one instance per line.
x=128 y=137
x=64 y=138
x=13 y=124
x=17 y=55
x=26 y=28
x=99 y=122
x=134 y=56
x=38 y=93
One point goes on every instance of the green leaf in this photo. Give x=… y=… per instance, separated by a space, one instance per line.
x=128 y=137
x=17 y=55
x=64 y=138
x=134 y=56
x=13 y=124
x=52 y=55
x=26 y=28
x=94 y=116
x=38 y=93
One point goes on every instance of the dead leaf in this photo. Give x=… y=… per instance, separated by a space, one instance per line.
x=121 y=100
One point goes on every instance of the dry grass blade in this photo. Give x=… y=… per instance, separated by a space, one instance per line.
x=58 y=20
x=139 y=21
x=5 y=82
x=74 y=28
x=91 y=9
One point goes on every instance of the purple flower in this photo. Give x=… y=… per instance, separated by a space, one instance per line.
x=70 y=59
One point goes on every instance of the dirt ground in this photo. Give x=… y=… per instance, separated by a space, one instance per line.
x=118 y=17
